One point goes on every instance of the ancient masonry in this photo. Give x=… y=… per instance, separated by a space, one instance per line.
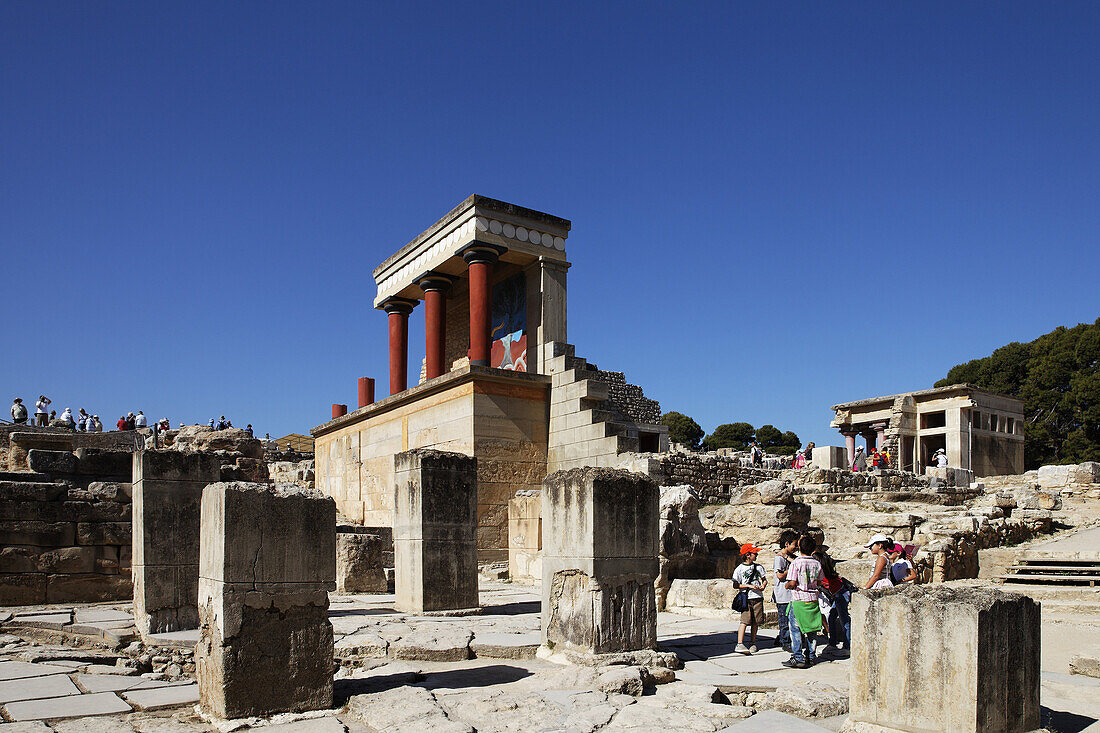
x=501 y=382
x=268 y=563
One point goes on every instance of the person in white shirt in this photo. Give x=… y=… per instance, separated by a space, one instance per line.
x=751 y=577
x=94 y=425
x=940 y=458
x=42 y=411
x=67 y=418
x=139 y=420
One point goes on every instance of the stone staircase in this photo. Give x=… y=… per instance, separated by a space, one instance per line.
x=595 y=415
x=1062 y=571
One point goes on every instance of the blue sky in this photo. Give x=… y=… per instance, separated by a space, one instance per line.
x=775 y=206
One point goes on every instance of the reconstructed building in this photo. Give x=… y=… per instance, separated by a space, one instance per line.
x=500 y=381
x=979 y=430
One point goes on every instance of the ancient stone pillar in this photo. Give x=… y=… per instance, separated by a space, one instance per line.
x=398 y=311
x=600 y=544
x=850 y=444
x=435 y=289
x=339 y=410
x=366 y=391
x=480 y=261
x=268 y=562
x=971 y=664
x=167 y=496
x=435 y=531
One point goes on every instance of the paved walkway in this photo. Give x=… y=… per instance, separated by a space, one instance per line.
x=50 y=683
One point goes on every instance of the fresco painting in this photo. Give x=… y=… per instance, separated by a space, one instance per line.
x=509 y=328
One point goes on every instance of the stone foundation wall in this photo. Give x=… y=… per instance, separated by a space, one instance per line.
x=66 y=537
x=628 y=400
x=16 y=441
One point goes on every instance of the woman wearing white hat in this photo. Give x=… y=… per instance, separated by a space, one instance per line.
x=879 y=547
x=940 y=458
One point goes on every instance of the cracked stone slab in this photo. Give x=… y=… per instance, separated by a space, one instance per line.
x=506 y=645
x=404 y=710
x=162 y=697
x=115 y=683
x=771 y=721
x=31 y=688
x=362 y=644
x=29 y=727
x=440 y=644
x=74 y=706
x=17 y=670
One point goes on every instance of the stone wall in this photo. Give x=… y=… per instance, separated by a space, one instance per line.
x=627 y=401
x=299 y=473
x=17 y=440
x=65 y=536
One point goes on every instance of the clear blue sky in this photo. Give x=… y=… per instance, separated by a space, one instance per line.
x=775 y=206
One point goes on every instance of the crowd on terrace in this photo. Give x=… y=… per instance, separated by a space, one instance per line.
x=82 y=421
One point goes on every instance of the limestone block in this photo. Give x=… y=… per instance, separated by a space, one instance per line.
x=103 y=462
x=51 y=461
x=525 y=536
x=715 y=594
x=167 y=501
x=1055 y=476
x=830 y=456
x=600 y=546
x=360 y=566
x=435 y=531
x=268 y=561
x=970 y=665
x=768 y=492
x=762 y=515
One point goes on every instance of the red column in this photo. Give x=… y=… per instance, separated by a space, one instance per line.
x=435 y=323
x=366 y=391
x=850 y=444
x=399 y=311
x=339 y=411
x=481 y=263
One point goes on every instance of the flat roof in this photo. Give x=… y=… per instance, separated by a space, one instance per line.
x=478 y=201
x=964 y=387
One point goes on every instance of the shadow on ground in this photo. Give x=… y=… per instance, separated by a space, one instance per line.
x=479 y=676
x=512 y=609
x=1062 y=722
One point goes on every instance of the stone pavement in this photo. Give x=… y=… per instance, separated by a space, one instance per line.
x=465 y=673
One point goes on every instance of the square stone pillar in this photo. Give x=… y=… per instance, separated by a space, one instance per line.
x=546 y=309
x=435 y=531
x=268 y=562
x=600 y=543
x=525 y=537
x=167 y=498
x=930 y=657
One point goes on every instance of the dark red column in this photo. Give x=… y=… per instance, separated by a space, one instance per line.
x=399 y=311
x=480 y=263
x=366 y=391
x=339 y=411
x=435 y=323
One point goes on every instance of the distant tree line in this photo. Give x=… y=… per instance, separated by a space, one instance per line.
x=1058 y=378
x=737 y=435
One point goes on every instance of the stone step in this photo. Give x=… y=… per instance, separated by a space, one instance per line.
x=1090 y=580
x=1043 y=569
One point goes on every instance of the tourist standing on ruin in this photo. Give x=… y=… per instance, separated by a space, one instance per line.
x=859 y=461
x=94 y=425
x=880 y=546
x=838 y=620
x=42 y=411
x=901 y=568
x=804 y=579
x=121 y=424
x=66 y=419
x=18 y=411
x=808 y=452
x=781 y=595
x=82 y=420
x=756 y=454
x=750 y=576
x=139 y=420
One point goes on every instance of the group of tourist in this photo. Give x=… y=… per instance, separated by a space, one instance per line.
x=82 y=421
x=811 y=597
x=803 y=457
x=879 y=460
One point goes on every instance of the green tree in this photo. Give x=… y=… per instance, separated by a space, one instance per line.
x=1058 y=378
x=731 y=435
x=682 y=429
x=790 y=438
x=768 y=436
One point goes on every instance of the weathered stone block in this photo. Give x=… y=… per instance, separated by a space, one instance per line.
x=435 y=531
x=167 y=500
x=600 y=547
x=41 y=534
x=87 y=588
x=51 y=461
x=360 y=566
x=22 y=589
x=268 y=561
x=525 y=537
x=103 y=462
x=830 y=456
x=969 y=661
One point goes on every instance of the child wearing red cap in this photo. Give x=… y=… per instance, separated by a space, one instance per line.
x=750 y=576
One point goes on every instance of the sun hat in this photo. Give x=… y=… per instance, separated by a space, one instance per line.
x=880 y=537
x=749 y=547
